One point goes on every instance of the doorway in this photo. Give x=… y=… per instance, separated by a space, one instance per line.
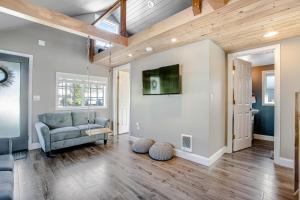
x=121 y=87
x=249 y=106
x=14 y=93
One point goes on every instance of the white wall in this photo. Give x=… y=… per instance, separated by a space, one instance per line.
x=63 y=52
x=166 y=117
x=218 y=96
x=289 y=85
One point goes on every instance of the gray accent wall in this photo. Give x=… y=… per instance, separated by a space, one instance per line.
x=63 y=52
x=200 y=109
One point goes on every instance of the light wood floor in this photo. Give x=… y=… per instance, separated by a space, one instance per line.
x=114 y=172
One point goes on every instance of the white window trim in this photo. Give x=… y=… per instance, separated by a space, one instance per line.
x=108 y=22
x=264 y=73
x=103 y=80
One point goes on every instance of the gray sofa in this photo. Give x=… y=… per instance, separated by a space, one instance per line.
x=66 y=129
x=6 y=177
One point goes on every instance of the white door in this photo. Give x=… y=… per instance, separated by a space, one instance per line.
x=123 y=102
x=242 y=83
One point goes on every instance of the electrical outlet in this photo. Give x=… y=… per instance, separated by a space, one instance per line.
x=138 y=127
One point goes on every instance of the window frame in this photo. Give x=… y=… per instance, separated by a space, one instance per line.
x=264 y=74
x=102 y=80
x=109 y=22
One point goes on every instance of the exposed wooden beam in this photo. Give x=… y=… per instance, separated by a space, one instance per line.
x=92 y=50
x=239 y=25
x=26 y=10
x=107 y=13
x=216 y=4
x=197 y=4
x=164 y=26
x=123 y=18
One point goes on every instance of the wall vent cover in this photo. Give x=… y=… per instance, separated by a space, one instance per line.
x=186 y=143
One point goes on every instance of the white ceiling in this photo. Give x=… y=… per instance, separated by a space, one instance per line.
x=259 y=59
x=74 y=7
x=68 y=7
x=139 y=15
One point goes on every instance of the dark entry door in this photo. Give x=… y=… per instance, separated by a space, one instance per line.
x=14 y=75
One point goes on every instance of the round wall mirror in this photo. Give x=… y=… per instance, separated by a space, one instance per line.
x=3 y=75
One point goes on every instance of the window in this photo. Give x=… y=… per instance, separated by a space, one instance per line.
x=268 y=88
x=109 y=26
x=75 y=91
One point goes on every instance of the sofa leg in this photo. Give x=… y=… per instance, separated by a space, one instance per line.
x=50 y=154
x=105 y=141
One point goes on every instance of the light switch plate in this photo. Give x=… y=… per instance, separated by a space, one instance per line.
x=36 y=97
x=42 y=43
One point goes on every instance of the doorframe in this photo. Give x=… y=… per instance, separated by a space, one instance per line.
x=115 y=96
x=31 y=145
x=276 y=48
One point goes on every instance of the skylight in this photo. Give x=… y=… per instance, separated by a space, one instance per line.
x=109 y=26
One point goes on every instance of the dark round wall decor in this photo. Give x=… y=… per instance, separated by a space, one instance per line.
x=6 y=76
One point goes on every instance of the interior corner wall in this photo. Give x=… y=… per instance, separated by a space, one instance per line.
x=217 y=74
x=64 y=52
x=165 y=117
x=289 y=85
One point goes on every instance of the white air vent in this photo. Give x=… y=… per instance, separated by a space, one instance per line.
x=186 y=142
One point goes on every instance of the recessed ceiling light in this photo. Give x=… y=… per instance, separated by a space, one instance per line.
x=270 y=34
x=149 y=49
x=130 y=55
x=174 y=40
x=150 y=4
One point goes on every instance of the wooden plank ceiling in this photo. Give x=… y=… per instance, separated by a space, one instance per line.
x=238 y=25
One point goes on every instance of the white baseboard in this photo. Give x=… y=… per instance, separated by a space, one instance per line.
x=263 y=137
x=206 y=161
x=34 y=146
x=217 y=155
x=284 y=162
x=192 y=157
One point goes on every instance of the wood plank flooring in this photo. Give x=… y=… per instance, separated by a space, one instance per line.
x=97 y=171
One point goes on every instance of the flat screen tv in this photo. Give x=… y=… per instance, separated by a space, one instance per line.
x=162 y=81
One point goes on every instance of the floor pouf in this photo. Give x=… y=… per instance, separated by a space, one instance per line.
x=161 y=151
x=142 y=145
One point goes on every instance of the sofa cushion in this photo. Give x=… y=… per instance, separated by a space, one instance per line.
x=85 y=127
x=56 y=120
x=6 y=185
x=6 y=163
x=64 y=133
x=83 y=117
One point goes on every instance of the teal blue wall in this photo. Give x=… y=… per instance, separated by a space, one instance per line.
x=264 y=120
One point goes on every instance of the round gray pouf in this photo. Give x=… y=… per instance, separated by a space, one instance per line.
x=142 y=145
x=161 y=151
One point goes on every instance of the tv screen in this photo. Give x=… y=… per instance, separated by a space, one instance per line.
x=164 y=80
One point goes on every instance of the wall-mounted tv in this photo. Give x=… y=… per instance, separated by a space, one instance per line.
x=162 y=81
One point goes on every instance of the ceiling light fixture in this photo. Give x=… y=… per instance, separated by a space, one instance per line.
x=150 y=4
x=270 y=34
x=174 y=40
x=149 y=49
x=130 y=55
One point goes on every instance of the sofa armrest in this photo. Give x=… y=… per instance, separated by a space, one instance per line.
x=43 y=133
x=102 y=121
